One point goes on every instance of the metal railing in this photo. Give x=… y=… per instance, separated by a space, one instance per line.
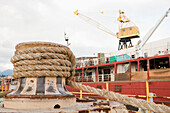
x=104 y=77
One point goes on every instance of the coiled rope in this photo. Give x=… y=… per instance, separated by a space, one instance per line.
x=36 y=59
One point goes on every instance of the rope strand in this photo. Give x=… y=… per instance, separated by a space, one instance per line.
x=140 y=103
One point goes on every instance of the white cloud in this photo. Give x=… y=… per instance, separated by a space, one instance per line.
x=42 y=20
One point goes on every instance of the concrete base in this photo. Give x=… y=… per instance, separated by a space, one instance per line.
x=85 y=107
x=39 y=103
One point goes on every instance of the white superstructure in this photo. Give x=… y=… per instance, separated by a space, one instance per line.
x=150 y=49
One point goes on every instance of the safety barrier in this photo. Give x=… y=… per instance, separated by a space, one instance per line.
x=5 y=88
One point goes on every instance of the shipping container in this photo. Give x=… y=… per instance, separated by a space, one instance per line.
x=102 y=58
x=122 y=57
x=119 y=58
x=126 y=57
x=112 y=59
x=101 y=55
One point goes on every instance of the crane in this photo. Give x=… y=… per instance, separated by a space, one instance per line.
x=127 y=29
x=142 y=42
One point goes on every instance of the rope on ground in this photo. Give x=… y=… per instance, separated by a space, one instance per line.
x=140 y=103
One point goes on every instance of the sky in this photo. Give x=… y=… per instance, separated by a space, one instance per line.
x=47 y=20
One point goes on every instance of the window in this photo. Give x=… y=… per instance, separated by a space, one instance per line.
x=133 y=56
x=130 y=28
x=100 y=72
x=123 y=30
x=89 y=74
x=145 y=55
x=106 y=71
x=99 y=86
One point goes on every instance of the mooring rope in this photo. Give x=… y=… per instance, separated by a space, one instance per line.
x=59 y=60
x=140 y=103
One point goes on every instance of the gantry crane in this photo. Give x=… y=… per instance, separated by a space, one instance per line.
x=127 y=29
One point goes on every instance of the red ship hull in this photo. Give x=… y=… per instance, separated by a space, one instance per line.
x=136 y=89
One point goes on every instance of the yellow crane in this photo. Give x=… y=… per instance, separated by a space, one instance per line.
x=127 y=29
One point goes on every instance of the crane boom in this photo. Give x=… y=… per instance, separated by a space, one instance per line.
x=140 y=43
x=127 y=29
x=151 y=31
x=94 y=23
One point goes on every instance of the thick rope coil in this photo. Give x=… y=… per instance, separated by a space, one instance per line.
x=59 y=50
x=38 y=56
x=41 y=73
x=57 y=62
x=140 y=103
x=42 y=67
x=36 y=59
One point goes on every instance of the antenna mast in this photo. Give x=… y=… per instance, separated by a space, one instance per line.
x=66 y=39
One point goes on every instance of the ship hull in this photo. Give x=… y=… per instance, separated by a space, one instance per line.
x=137 y=89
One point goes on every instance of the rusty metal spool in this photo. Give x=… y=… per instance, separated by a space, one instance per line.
x=41 y=69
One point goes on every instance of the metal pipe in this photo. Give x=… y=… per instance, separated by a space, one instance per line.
x=97 y=73
x=138 y=65
x=82 y=75
x=107 y=87
x=129 y=71
x=147 y=68
x=81 y=92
